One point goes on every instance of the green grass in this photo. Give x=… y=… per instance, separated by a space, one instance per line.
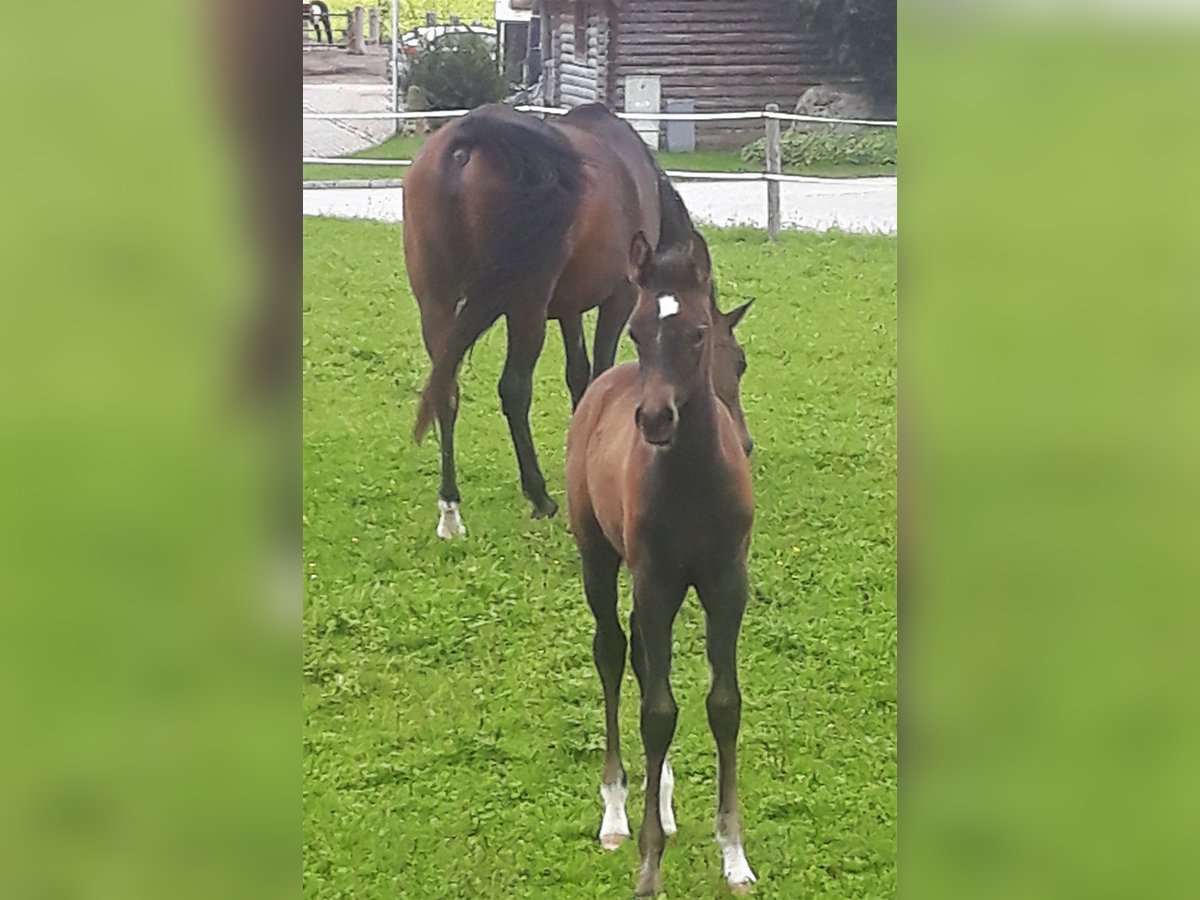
x=700 y=161
x=453 y=724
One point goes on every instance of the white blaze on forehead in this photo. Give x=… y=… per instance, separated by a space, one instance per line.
x=667 y=305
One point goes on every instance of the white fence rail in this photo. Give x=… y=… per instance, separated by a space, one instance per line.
x=771 y=116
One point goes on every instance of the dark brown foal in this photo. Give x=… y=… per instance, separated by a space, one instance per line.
x=657 y=477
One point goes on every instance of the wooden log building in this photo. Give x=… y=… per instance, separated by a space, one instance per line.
x=724 y=55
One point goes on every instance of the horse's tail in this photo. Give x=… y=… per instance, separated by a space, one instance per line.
x=521 y=244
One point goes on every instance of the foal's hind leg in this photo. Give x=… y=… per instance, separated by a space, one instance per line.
x=600 y=566
x=724 y=601
x=614 y=313
x=526 y=335
x=578 y=370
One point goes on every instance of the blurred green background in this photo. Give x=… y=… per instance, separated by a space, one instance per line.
x=1048 y=383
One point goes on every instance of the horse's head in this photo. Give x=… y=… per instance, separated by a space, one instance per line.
x=681 y=337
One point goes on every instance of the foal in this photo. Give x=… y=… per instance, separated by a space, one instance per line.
x=657 y=476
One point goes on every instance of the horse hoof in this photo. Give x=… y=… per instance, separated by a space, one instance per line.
x=544 y=509
x=742 y=888
x=612 y=842
x=450 y=523
x=649 y=884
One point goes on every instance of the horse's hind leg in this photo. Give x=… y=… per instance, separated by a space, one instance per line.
x=724 y=601
x=614 y=313
x=600 y=566
x=437 y=318
x=578 y=370
x=526 y=335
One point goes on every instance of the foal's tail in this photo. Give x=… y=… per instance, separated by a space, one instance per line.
x=513 y=250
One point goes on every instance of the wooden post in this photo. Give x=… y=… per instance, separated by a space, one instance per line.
x=354 y=35
x=774 y=167
x=430 y=18
x=455 y=20
x=373 y=25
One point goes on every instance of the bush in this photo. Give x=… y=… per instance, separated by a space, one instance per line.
x=874 y=147
x=458 y=71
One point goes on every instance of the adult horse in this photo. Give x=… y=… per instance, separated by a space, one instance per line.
x=529 y=220
x=657 y=477
x=316 y=13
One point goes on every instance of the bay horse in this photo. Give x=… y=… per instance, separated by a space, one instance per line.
x=316 y=13
x=658 y=477
x=508 y=215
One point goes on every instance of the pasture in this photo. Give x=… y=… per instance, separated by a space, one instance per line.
x=453 y=717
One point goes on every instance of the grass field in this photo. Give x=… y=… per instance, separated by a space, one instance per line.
x=453 y=723
x=700 y=161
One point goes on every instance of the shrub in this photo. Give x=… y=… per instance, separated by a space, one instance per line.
x=874 y=147
x=457 y=71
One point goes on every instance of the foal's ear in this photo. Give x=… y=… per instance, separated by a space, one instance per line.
x=701 y=261
x=734 y=316
x=640 y=252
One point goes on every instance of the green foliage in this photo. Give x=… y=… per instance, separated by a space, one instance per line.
x=864 y=34
x=873 y=147
x=454 y=729
x=458 y=71
x=412 y=12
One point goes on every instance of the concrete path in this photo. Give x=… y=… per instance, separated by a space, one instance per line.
x=326 y=137
x=866 y=205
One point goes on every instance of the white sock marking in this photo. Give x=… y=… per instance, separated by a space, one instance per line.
x=666 y=798
x=737 y=870
x=450 y=523
x=615 y=827
x=667 y=306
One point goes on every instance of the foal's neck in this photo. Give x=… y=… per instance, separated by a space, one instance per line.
x=698 y=435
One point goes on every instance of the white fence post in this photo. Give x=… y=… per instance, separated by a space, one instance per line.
x=774 y=167
x=373 y=25
x=354 y=34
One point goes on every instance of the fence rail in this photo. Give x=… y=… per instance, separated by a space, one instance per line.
x=771 y=116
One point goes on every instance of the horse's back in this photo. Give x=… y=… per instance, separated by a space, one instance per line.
x=620 y=198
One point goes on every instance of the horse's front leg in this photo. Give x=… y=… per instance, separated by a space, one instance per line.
x=723 y=597
x=657 y=597
x=526 y=335
x=578 y=369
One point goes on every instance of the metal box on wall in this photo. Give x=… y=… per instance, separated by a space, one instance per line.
x=643 y=94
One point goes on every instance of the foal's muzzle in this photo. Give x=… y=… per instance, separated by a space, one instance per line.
x=657 y=425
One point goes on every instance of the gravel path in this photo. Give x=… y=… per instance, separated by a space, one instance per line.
x=865 y=205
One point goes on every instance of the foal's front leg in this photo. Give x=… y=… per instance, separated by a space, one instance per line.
x=724 y=602
x=656 y=600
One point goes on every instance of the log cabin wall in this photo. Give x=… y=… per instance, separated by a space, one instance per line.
x=723 y=54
